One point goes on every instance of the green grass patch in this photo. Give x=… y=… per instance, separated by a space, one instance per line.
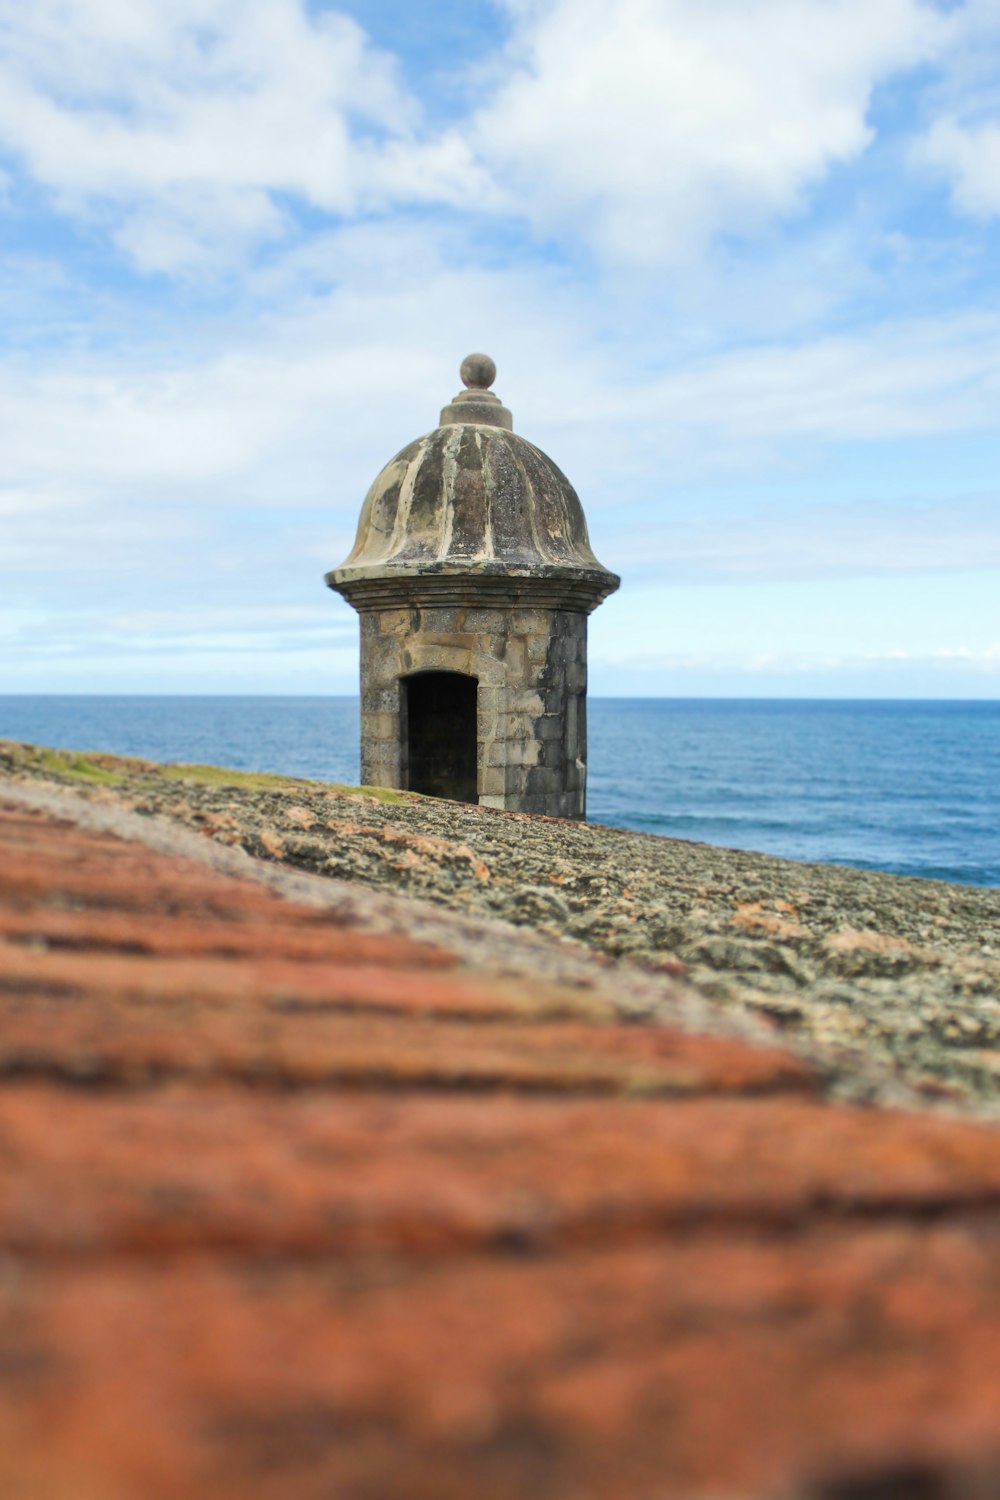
x=82 y=768
x=267 y=781
x=99 y=769
x=254 y=781
x=380 y=793
x=69 y=765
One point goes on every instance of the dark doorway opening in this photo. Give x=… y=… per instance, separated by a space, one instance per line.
x=441 y=735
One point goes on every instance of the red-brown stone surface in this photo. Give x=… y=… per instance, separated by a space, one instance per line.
x=288 y=1210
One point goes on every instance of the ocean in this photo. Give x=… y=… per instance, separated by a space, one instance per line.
x=910 y=787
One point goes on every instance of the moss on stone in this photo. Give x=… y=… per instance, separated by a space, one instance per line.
x=267 y=781
x=71 y=765
x=100 y=768
x=254 y=781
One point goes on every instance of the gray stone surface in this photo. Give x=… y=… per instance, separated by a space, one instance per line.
x=531 y=735
x=472 y=557
x=891 y=984
x=490 y=945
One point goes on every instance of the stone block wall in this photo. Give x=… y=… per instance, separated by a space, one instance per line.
x=531 y=667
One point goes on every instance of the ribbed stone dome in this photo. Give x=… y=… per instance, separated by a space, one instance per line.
x=473 y=501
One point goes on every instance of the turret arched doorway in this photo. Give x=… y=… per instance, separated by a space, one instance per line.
x=440 y=735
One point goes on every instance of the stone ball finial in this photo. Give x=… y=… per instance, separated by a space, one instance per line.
x=478 y=372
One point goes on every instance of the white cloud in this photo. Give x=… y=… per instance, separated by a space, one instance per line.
x=186 y=122
x=651 y=125
x=222 y=469
x=962 y=142
x=969 y=155
x=987 y=659
x=897 y=379
x=965 y=661
x=180 y=467
x=813 y=541
x=107 y=455
x=646 y=126
x=747 y=412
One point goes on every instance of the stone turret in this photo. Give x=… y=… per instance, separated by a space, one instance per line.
x=473 y=576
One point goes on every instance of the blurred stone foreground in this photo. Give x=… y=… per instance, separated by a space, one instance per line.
x=320 y=1193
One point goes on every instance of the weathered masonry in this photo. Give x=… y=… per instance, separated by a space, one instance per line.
x=473 y=576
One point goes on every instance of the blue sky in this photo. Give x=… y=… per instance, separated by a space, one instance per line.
x=736 y=260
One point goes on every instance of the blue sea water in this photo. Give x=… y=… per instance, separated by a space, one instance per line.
x=912 y=787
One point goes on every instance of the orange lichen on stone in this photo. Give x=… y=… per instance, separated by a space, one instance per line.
x=847 y=940
x=417 y=848
x=752 y=917
x=293 y=1210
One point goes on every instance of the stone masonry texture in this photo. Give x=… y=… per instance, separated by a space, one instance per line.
x=531 y=668
x=291 y=1208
